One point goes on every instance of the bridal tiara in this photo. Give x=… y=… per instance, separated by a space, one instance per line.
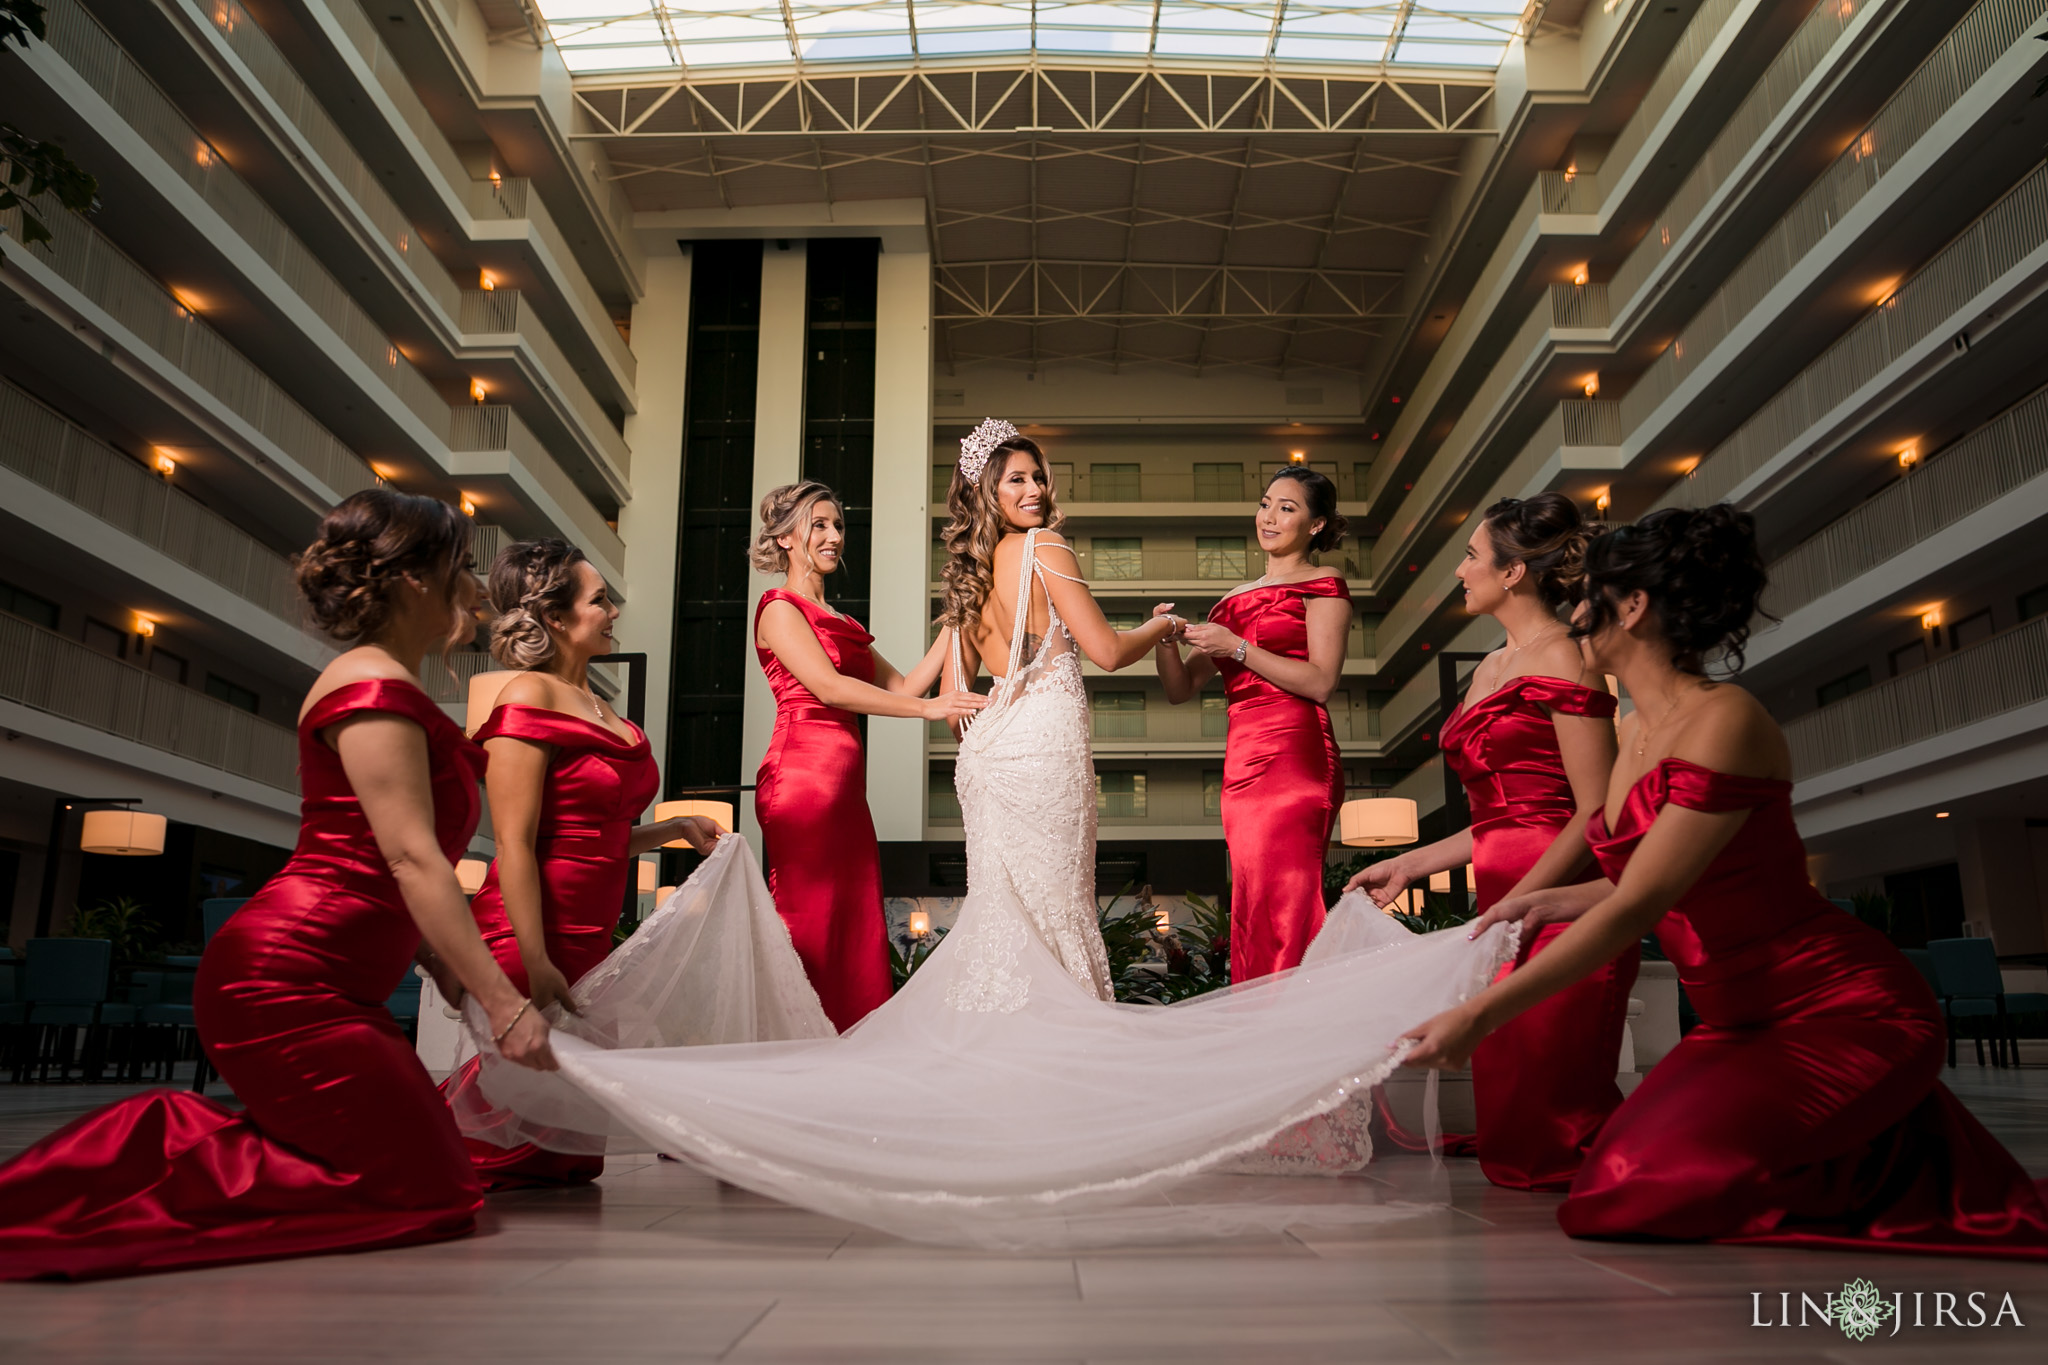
x=979 y=444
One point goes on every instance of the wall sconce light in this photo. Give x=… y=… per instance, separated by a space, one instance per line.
x=204 y=155
x=1931 y=620
x=1941 y=815
x=468 y=507
x=477 y=390
x=1297 y=456
x=1909 y=456
x=1580 y=277
x=144 y=627
x=1592 y=385
x=486 y=281
x=1571 y=173
x=1600 y=503
x=496 y=179
x=165 y=465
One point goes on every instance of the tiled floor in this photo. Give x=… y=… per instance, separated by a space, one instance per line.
x=658 y=1263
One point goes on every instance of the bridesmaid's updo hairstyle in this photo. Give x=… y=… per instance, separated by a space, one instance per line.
x=366 y=546
x=531 y=580
x=1321 y=496
x=1700 y=569
x=1548 y=536
x=783 y=513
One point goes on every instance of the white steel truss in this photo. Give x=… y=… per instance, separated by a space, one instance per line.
x=1040 y=290
x=1032 y=98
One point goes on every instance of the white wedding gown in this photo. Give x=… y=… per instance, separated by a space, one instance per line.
x=1001 y=1098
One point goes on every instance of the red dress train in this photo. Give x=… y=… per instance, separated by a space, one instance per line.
x=597 y=786
x=1805 y=1108
x=344 y=1143
x=1283 y=780
x=1543 y=1084
x=818 y=838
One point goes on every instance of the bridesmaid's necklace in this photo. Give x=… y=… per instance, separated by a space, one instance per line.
x=1672 y=703
x=1507 y=664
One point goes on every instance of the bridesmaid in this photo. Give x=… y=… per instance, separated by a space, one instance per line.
x=1534 y=746
x=1279 y=644
x=567 y=779
x=1805 y=1109
x=344 y=1143
x=824 y=865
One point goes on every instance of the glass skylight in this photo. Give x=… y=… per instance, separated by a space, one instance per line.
x=622 y=35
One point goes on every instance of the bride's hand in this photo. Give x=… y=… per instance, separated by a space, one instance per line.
x=1382 y=881
x=953 y=707
x=1445 y=1042
x=1176 y=628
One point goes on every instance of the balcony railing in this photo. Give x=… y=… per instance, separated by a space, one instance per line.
x=1962 y=59
x=43 y=670
x=98 y=60
x=2008 y=232
x=92 y=265
x=44 y=448
x=2008 y=671
x=1987 y=464
x=1782 y=80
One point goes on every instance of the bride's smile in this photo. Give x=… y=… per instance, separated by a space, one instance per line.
x=1022 y=492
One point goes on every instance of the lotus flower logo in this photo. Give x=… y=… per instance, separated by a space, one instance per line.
x=1860 y=1310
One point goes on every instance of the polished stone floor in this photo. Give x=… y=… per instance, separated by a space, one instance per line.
x=657 y=1263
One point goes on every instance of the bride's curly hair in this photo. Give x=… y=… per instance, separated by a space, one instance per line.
x=976 y=526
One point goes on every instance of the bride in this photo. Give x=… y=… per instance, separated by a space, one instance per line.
x=1001 y=1098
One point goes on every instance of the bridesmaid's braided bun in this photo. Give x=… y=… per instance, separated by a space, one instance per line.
x=1547 y=534
x=531 y=580
x=366 y=546
x=1701 y=571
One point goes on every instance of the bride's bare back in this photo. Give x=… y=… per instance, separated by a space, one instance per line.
x=990 y=638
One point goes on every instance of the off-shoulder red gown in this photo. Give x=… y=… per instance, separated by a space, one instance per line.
x=1283 y=780
x=345 y=1143
x=1805 y=1108
x=597 y=785
x=1543 y=1084
x=818 y=838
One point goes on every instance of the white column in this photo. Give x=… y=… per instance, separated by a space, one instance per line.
x=649 y=523
x=900 y=604
x=778 y=459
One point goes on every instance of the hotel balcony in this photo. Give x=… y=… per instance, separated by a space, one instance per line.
x=238 y=257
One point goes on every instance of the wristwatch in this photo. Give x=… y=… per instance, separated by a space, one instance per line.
x=1242 y=645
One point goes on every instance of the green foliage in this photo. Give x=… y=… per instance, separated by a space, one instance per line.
x=902 y=965
x=21 y=20
x=30 y=168
x=1874 y=908
x=124 y=922
x=1336 y=874
x=1440 y=910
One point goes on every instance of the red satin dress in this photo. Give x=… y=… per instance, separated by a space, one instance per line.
x=818 y=839
x=597 y=786
x=1805 y=1109
x=1283 y=781
x=1543 y=1084
x=345 y=1143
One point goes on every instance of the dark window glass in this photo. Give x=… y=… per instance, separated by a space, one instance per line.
x=2034 y=603
x=1848 y=685
x=167 y=666
x=839 y=400
x=1971 y=630
x=233 y=694
x=1906 y=658
x=29 y=607
x=106 y=639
